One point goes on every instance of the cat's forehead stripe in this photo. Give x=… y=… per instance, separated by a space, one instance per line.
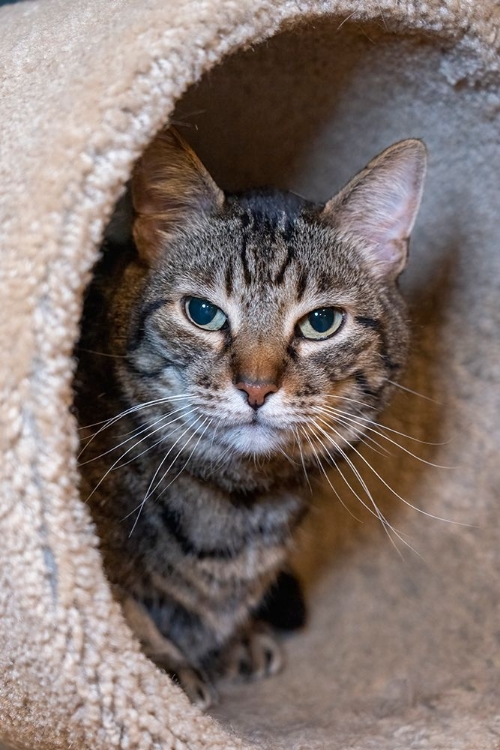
x=229 y=276
x=244 y=259
x=290 y=255
x=302 y=284
x=266 y=251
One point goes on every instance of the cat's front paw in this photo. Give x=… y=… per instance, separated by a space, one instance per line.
x=197 y=687
x=194 y=683
x=256 y=654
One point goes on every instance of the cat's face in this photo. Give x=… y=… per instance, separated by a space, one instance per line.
x=277 y=323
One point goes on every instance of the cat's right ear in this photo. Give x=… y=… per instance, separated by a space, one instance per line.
x=377 y=208
x=170 y=186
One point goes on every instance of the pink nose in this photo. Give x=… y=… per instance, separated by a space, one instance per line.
x=256 y=392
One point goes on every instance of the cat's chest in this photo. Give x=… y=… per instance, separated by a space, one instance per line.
x=216 y=523
x=214 y=556
x=198 y=525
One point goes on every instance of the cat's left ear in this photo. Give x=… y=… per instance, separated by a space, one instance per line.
x=170 y=188
x=377 y=208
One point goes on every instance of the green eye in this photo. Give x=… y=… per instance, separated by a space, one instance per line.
x=320 y=323
x=204 y=314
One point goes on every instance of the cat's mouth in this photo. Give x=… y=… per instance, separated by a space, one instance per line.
x=255 y=437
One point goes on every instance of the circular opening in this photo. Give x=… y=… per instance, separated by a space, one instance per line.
x=304 y=112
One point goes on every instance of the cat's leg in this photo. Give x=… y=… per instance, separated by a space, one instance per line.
x=167 y=656
x=255 y=653
x=283 y=605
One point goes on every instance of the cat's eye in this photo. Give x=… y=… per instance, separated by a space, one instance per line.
x=204 y=314
x=320 y=323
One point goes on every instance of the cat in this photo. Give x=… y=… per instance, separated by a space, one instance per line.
x=234 y=343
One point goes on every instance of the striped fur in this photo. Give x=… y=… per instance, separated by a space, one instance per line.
x=196 y=496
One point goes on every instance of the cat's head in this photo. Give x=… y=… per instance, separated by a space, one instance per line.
x=277 y=322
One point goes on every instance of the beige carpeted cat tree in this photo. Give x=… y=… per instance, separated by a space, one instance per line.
x=401 y=650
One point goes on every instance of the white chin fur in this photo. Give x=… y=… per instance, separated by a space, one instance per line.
x=252 y=439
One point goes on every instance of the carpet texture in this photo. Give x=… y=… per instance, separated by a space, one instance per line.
x=402 y=647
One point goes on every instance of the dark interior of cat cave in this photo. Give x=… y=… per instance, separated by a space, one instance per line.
x=304 y=111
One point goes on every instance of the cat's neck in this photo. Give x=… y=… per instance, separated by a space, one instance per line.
x=238 y=474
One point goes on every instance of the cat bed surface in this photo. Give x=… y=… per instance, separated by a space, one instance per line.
x=402 y=645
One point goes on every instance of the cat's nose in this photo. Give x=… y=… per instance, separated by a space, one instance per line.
x=256 y=392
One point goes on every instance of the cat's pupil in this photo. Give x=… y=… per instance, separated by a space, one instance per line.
x=201 y=311
x=322 y=319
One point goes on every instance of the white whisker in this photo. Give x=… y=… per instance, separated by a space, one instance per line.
x=382 y=426
x=130 y=410
x=414 y=393
x=288 y=458
x=360 y=432
x=150 y=491
x=302 y=459
x=406 y=502
x=220 y=459
x=134 y=433
x=377 y=512
x=322 y=468
x=157 y=443
x=103 y=354
x=190 y=455
x=360 y=421
x=115 y=465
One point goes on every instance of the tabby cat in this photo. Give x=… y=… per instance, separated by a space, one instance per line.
x=236 y=342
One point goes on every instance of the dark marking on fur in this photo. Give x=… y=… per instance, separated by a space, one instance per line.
x=306 y=390
x=368 y=322
x=278 y=280
x=376 y=325
x=228 y=340
x=244 y=260
x=389 y=364
x=283 y=605
x=155 y=373
x=138 y=330
x=323 y=282
x=362 y=381
x=245 y=220
x=243 y=498
x=302 y=284
x=288 y=230
x=180 y=618
x=205 y=381
x=173 y=524
x=229 y=277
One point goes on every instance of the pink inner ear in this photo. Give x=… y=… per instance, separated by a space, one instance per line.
x=170 y=186
x=379 y=206
x=384 y=231
x=392 y=253
x=391 y=219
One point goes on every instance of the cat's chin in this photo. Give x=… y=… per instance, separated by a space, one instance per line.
x=254 y=439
